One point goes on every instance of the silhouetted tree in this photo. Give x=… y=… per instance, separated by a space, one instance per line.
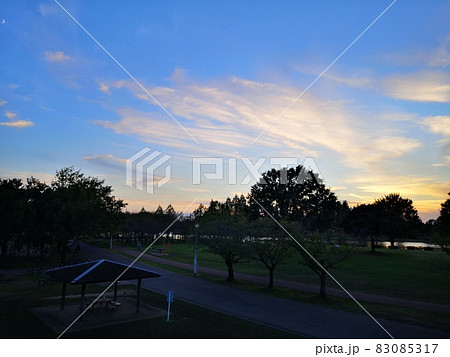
x=366 y=220
x=441 y=234
x=37 y=224
x=399 y=217
x=81 y=206
x=269 y=244
x=326 y=250
x=12 y=211
x=294 y=194
x=223 y=233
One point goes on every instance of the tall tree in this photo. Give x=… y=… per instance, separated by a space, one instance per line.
x=37 y=223
x=441 y=234
x=366 y=220
x=12 y=211
x=294 y=194
x=82 y=206
x=399 y=217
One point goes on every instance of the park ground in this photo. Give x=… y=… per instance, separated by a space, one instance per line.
x=410 y=275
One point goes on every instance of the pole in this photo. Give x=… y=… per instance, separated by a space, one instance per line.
x=169 y=300
x=110 y=244
x=168 y=312
x=195 y=257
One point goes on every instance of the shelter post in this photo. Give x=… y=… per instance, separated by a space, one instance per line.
x=83 y=292
x=138 y=295
x=115 y=291
x=63 y=295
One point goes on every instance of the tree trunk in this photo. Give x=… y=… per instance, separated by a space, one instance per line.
x=323 y=279
x=4 y=247
x=392 y=241
x=230 y=278
x=372 y=244
x=270 y=278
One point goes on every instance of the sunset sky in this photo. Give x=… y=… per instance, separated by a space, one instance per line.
x=376 y=121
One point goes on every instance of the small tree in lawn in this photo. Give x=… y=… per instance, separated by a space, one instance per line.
x=326 y=250
x=269 y=244
x=224 y=233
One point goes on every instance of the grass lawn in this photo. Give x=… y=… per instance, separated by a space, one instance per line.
x=22 y=293
x=430 y=319
x=411 y=274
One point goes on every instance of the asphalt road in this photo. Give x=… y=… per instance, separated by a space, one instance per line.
x=297 y=317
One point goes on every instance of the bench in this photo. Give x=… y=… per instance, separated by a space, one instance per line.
x=114 y=305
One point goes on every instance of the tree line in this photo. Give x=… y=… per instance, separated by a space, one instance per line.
x=290 y=211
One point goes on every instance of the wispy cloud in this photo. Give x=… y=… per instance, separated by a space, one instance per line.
x=438 y=124
x=441 y=56
x=358 y=82
x=436 y=56
x=407 y=185
x=104 y=88
x=15 y=123
x=43 y=107
x=189 y=189
x=427 y=193
x=2 y=102
x=19 y=124
x=420 y=87
x=23 y=175
x=47 y=9
x=226 y=114
x=57 y=56
x=106 y=160
x=425 y=86
x=10 y=115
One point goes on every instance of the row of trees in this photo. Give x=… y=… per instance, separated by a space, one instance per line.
x=34 y=214
x=289 y=212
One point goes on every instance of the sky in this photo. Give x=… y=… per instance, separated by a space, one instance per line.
x=247 y=85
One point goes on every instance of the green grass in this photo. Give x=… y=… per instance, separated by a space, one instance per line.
x=411 y=274
x=424 y=318
x=18 y=296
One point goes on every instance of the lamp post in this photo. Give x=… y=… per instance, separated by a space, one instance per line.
x=195 y=249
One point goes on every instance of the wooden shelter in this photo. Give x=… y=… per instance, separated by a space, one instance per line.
x=99 y=271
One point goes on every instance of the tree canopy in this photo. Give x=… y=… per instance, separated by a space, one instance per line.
x=441 y=234
x=294 y=194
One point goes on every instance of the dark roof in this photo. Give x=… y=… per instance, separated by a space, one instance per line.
x=99 y=271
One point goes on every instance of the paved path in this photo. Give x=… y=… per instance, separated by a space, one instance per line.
x=380 y=299
x=300 y=318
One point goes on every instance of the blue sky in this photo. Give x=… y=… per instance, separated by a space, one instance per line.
x=378 y=120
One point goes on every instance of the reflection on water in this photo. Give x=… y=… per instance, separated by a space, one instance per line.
x=404 y=245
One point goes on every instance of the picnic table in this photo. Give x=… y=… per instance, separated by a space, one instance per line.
x=105 y=304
